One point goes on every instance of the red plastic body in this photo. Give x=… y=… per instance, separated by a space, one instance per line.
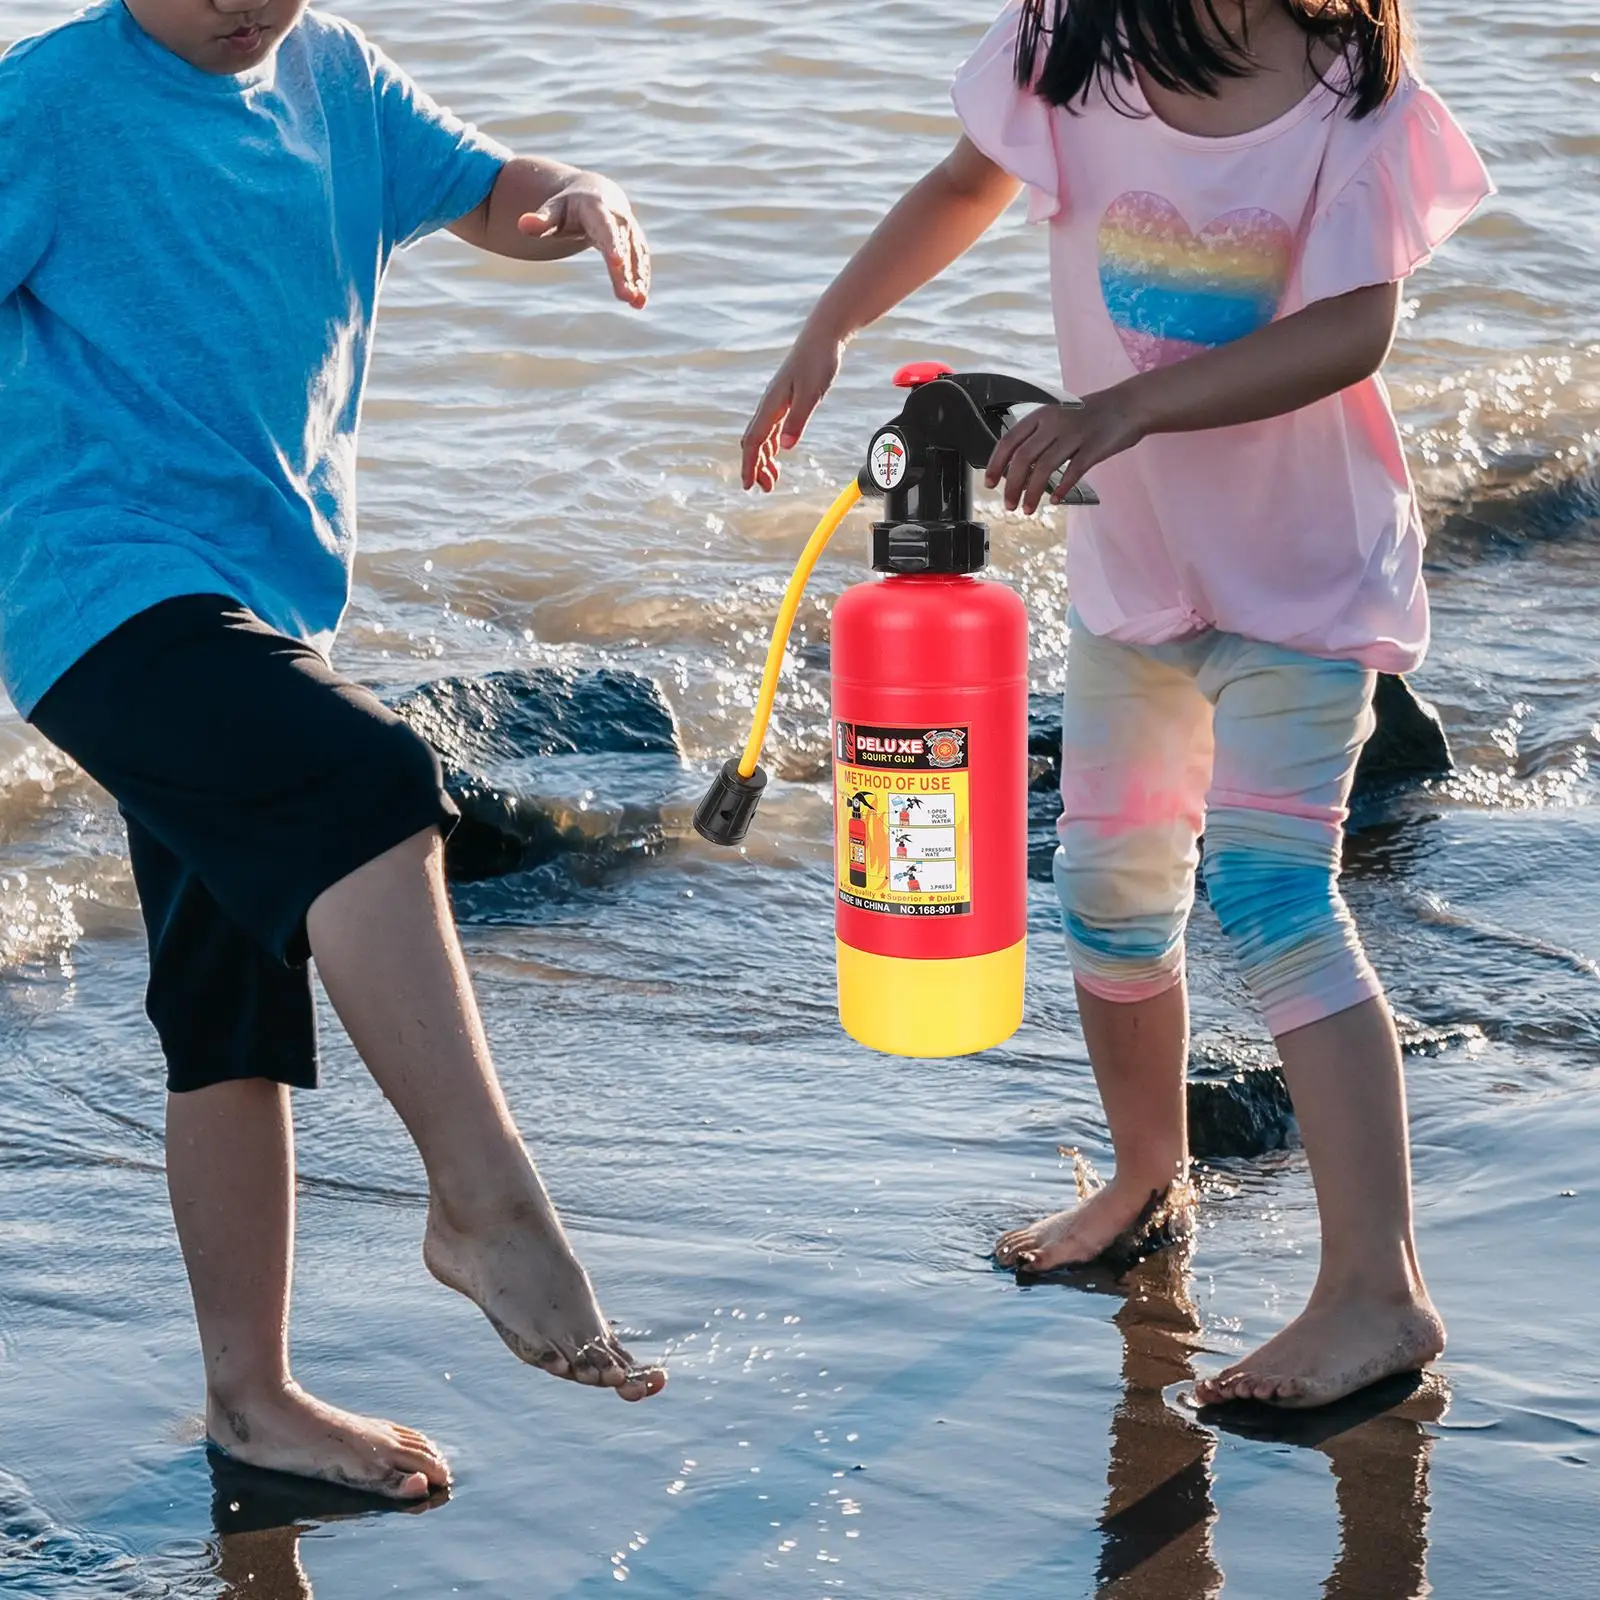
x=933 y=652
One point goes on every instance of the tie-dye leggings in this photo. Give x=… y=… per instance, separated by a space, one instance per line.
x=1252 y=745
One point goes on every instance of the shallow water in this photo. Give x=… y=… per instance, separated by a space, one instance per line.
x=859 y=1404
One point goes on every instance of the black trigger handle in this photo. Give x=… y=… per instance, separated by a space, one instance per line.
x=946 y=414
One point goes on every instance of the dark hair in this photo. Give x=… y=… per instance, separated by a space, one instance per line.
x=1183 y=45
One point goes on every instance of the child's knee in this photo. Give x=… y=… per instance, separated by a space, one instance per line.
x=1125 y=902
x=1273 y=881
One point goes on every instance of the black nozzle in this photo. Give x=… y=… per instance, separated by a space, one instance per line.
x=922 y=463
x=729 y=807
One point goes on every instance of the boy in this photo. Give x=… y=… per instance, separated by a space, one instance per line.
x=198 y=199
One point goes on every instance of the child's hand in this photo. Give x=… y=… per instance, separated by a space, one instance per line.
x=805 y=376
x=595 y=210
x=1108 y=423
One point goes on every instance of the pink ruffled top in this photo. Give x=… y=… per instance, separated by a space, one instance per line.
x=1302 y=530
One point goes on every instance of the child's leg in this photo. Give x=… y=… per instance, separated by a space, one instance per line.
x=1369 y=1314
x=238 y=1030
x=386 y=950
x=1288 y=731
x=1135 y=763
x=230 y=1171
x=259 y=785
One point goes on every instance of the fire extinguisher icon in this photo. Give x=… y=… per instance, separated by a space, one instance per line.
x=858 y=837
x=908 y=804
x=902 y=844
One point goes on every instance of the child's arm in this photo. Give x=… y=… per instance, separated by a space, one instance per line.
x=934 y=222
x=542 y=210
x=1306 y=357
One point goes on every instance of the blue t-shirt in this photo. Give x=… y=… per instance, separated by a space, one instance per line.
x=189 y=267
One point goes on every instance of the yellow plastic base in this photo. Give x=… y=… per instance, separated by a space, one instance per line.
x=931 y=1008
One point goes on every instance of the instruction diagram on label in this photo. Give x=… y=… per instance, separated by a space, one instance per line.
x=903 y=841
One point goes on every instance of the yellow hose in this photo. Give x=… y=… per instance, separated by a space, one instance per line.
x=815 y=545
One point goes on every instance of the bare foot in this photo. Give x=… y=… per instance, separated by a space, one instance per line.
x=521 y=1273
x=1334 y=1347
x=287 y=1430
x=1117 y=1220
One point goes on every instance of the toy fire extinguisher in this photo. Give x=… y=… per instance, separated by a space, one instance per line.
x=930 y=733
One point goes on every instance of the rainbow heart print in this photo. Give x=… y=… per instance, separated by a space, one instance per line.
x=1172 y=292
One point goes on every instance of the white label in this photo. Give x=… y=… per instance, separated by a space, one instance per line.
x=926 y=811
x=887 y=460
x=922 y=877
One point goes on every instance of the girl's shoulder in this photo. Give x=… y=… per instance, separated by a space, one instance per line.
x=1392 y=186
x=1008 y=123
x=1408 y=155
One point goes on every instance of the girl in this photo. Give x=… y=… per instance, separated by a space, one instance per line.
x=1236 y=190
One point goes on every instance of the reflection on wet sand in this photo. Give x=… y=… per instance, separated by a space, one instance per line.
x=1379 y=1447
x=259 y=1518
x=1159 y=1517
x=1157 y=1524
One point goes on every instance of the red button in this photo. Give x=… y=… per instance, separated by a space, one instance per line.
x=920 y=372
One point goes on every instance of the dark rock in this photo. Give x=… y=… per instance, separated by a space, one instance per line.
x=546 y=763
x=508 y=718
x=1239 y=1104
x=1044 y=742
x=1407 y=747
x=1240 y=1113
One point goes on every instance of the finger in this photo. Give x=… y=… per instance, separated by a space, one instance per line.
x=771 y=466
x=641 y=262
x=598 y=228
x=759 y=454
x=1085 y=460
x=1072 y=474
x=628 y=244
x=1020 y=468
x=1038 y=484
x=805 y=399
x=1010 y=442
x=761 y=462
x=606 y=237
x=758 y=441
x=548 y=219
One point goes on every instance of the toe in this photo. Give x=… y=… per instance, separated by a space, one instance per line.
x=642 y=1382
x=409 y=1440
x=639 y=1381
x=557 y=1365
x=598 y=1365
x=430 y=1466
x=403 y=1485
x=1218 y=1390
x=1284 y=1391
x=1257 y=1386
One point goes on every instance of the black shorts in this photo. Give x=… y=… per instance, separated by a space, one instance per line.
x=252 y=777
